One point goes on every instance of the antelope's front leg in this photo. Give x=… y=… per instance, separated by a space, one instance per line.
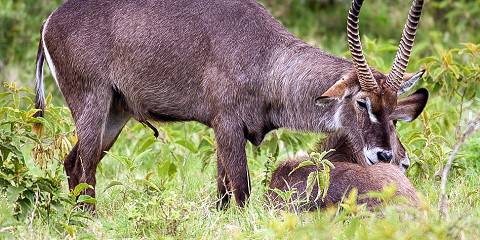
x=231 y=154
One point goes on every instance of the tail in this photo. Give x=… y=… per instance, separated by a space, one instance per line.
x=39 y=86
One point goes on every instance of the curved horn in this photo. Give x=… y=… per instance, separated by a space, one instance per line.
x=365 y=76
x=395 y=77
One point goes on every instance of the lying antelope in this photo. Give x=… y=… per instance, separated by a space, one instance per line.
x=346 y=176
x=227 y=64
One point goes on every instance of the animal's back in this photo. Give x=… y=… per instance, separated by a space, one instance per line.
x=343 y=178
x=155 y=52
x=347 y=176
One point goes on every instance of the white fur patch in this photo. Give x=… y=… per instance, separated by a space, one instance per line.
x=372 y=116
x=301 y=154
x=371 y=155
x=47 y=54
x=336 y=119
x=38 y=79
x=406 y=118
x=410 y=83
x=405 y=162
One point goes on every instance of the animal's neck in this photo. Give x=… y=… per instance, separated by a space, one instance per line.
x=300 y=74
x=343 y=148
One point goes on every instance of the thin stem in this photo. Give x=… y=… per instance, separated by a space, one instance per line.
x=472 y=126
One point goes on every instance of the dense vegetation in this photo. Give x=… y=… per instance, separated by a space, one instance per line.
x=165 y=187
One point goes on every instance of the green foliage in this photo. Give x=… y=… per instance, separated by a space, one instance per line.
x=454 y=77
x=18 y=20
x=320 y=177
x=31 y=188
x=23 y=189
x=444 y=22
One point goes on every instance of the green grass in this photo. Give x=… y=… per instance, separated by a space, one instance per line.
x=165 y=187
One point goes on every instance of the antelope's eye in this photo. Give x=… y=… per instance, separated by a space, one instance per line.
x=362 y=104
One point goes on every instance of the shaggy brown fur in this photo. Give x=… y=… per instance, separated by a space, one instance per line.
x=344 y=177
x=227 y=64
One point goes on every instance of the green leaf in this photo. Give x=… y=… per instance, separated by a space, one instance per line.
x=329 y=164
x=144 y=145
x=318 y=157
x=147 y=183
x=166 y=169
x=310 y=183
x=306 y=163
x=71 y=230
x=113 y=184
x=80 y=188
x=321 y=185
x=86 y=199
x=285 y=195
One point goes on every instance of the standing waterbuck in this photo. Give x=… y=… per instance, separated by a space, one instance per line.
x=227 y=64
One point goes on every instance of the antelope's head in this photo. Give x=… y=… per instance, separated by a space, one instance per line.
x=400 y=155
x=368 y=101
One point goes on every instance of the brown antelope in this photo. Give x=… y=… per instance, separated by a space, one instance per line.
x=345 y=150
x=227 y=64
x=346 y=176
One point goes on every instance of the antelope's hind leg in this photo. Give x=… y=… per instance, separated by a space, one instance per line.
x=90 y=130
x=98 y=125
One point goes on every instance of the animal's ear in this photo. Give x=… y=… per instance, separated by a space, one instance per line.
x=338 y=89
x=409 y=108
x=334 y=93
x=324 y=100
x=341 y=89
x=409 y=81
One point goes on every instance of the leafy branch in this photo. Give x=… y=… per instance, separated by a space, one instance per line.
x=321 y=175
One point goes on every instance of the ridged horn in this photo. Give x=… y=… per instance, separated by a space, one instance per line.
x=395 y=77
x=365 y=76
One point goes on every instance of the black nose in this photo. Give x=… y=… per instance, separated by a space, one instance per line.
x=385 y=156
